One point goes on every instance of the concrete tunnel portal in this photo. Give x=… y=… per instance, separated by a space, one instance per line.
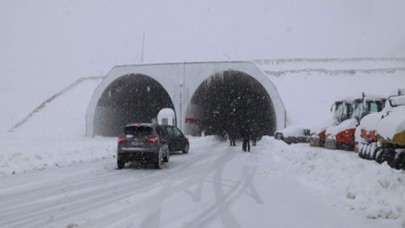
x=133 y=98
x=207 y=97
x=231 y=100
x=225 y=99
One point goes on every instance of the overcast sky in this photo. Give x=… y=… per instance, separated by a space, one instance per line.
x=75 y=38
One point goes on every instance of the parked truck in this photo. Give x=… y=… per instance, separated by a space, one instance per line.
x=381 y=135
x=342 y=135
x=341 y=110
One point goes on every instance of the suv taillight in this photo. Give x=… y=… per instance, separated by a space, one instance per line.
x=121 y=139
x=153 y=139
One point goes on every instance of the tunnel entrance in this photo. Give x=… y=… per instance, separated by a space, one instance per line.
x=229 y=101
x=133 y=98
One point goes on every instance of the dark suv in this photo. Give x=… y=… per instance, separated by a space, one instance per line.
x=176 y=139
x=148 y=142
x=144 y=143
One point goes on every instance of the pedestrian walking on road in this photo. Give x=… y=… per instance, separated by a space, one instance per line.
x=232 y=135
x=245 y=133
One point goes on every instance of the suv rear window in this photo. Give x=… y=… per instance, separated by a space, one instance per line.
x=138 y=131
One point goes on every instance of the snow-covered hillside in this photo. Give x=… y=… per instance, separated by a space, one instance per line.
x=308 y=87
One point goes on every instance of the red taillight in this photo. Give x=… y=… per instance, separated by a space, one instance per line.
x=153 y=139
x=121 y=139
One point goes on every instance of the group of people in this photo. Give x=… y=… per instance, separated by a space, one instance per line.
x=246 y=136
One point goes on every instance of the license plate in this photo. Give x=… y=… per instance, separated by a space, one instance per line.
x=136 y=143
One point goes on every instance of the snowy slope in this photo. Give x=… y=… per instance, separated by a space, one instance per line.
x=53 y=136
x=309 y=87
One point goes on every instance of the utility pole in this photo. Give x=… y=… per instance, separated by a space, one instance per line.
x=143 y=47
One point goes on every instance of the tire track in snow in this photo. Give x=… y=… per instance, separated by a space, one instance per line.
x=84 y=196
x=104 y=196
x=225 y=199
x=154 y=204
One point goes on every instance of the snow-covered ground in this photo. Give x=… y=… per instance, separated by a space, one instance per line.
x=215 y=185
x=52 y=176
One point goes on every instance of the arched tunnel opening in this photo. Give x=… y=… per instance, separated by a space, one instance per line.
x=133 y=98
x=230 y=101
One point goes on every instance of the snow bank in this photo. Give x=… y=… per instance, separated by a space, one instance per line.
x=21 y=154
x=376 y=191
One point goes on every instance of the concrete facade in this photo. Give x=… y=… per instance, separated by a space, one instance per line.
x=181 y=80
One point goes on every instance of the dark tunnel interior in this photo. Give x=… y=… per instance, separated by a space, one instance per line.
x=233 y=100
x=132 y=98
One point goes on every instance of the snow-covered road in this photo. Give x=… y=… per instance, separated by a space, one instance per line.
x=213 y=186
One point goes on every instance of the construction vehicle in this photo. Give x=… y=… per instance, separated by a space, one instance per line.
x=381 y=136
x=342 y=136
x=341 y=110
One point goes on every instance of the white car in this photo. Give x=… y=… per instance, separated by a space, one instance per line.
x=293 y=135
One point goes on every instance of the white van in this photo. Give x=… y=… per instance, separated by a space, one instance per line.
x=166 y=116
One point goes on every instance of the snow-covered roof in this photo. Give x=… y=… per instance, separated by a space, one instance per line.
x=397 y=101
x=345 y=125
x=293 y=131
x=323 y=126
x=166 y=112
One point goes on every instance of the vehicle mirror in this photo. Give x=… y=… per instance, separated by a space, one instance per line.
x=397 y=100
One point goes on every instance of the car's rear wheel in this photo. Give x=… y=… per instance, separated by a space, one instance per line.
x=186 y=148
x=166 y=158
x=158 y=162
x=120 y=164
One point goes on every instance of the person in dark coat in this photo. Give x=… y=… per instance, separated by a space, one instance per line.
x=253 y=136
x=254 y=133
x=245 y=133
x=232 y=135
